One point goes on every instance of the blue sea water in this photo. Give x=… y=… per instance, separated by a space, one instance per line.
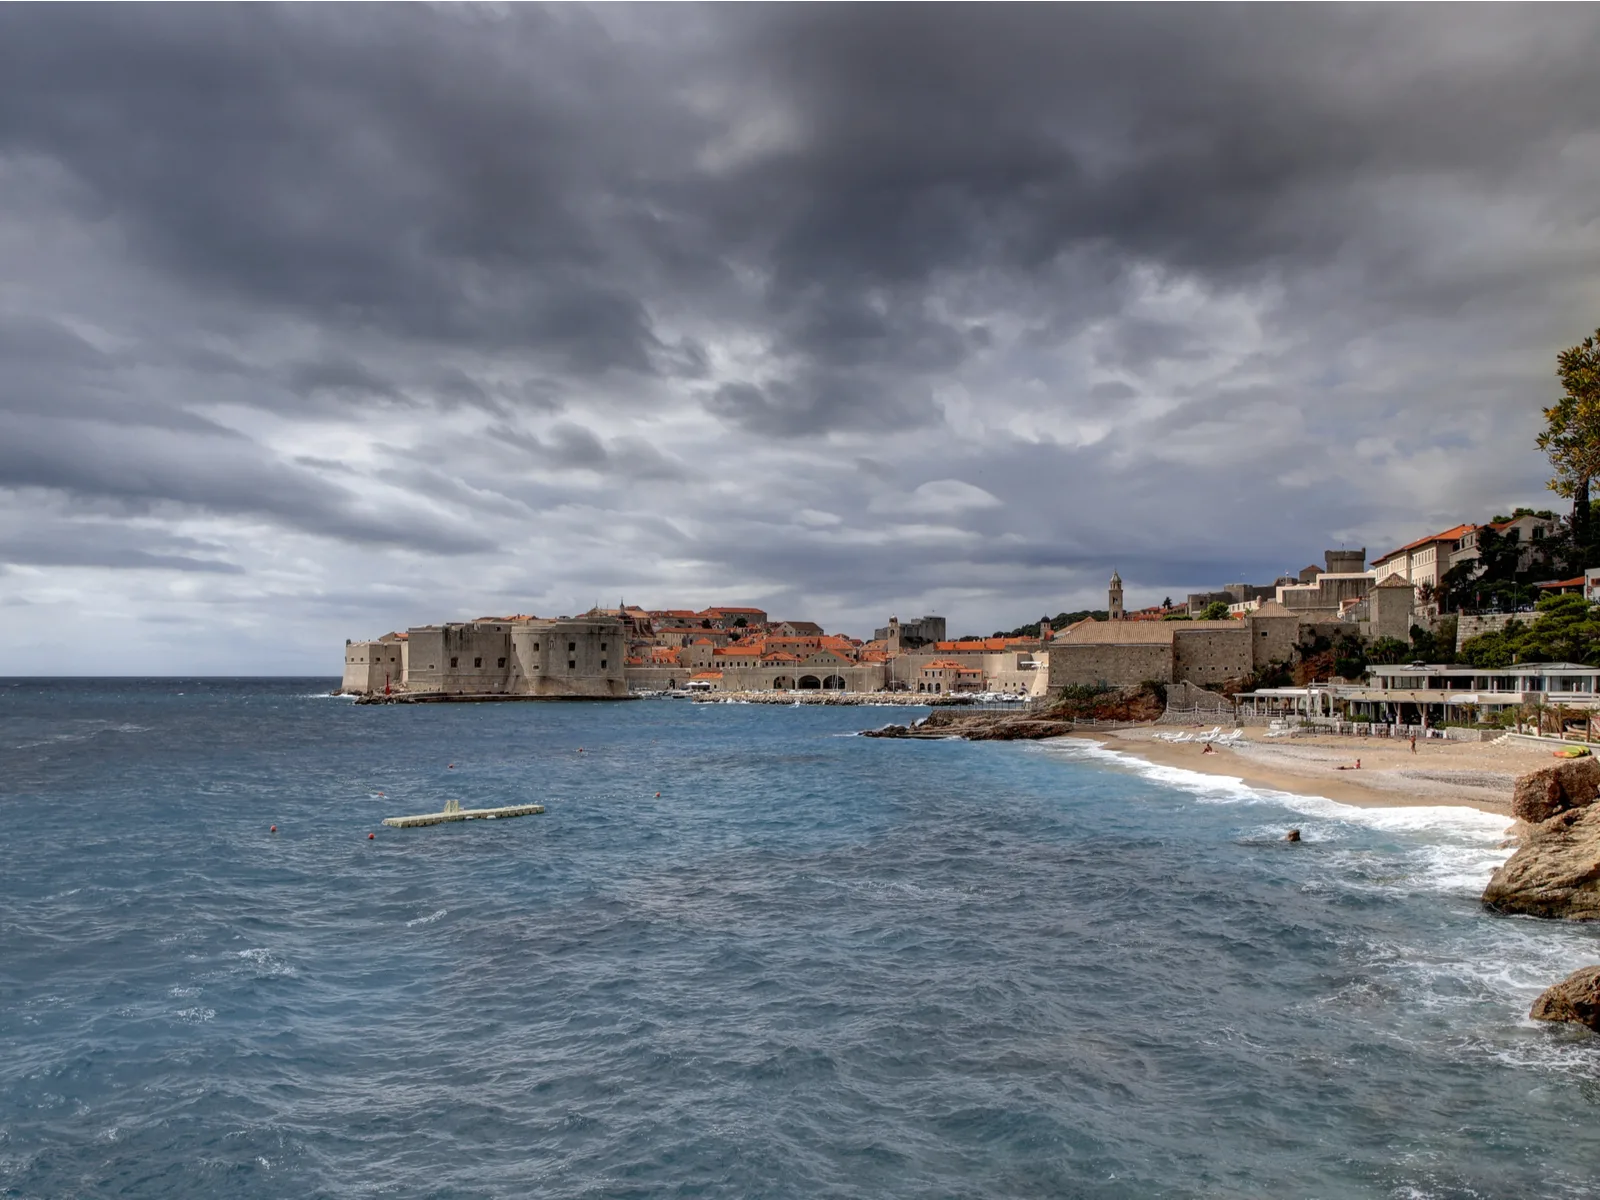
x=815 y=965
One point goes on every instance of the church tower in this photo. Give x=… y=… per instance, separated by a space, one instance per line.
x=1116 y=596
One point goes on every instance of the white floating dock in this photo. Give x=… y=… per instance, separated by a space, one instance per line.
x=454 y=812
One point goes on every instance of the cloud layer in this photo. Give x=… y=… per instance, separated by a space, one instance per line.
x=320 y=321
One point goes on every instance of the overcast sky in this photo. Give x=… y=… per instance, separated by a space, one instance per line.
x=317 y=322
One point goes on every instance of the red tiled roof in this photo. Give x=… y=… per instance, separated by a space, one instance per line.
x=1454 y=534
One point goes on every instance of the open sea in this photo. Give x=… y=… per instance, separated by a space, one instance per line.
x=814 y=965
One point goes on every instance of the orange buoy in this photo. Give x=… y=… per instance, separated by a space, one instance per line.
x=658 y=796
x=370 y=836
x=274 y=829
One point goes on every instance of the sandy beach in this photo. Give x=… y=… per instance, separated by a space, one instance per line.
x=1476 y=774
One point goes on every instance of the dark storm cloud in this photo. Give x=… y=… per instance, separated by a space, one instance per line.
x=839 y=302
x=529 y=179
x=53 y=542
x=143 y=470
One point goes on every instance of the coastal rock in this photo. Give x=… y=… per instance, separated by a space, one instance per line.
x=1540 y=795
x=978 y=727
x=1576 y=998
x=1555 y=872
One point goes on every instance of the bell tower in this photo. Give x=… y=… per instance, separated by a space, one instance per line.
x=1116 y=596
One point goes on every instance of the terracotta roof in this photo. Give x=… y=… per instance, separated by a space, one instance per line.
x=1555 y=583
x=808 y=626
x=706 y=675
x=1454 y=534
x=1150 y=633
x=1267 y=608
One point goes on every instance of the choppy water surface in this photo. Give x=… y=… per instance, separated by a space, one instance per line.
x=815 y=965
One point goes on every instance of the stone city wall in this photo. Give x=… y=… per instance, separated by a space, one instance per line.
x=1210 y=655
x=368 y=666
x=856 y=677
x=1471 y=626
x=554 y=659
x=1121 y=665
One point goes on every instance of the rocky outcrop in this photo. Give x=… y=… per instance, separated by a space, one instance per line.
x=1540 y=795
x=1555 y=872
x=978 y=727
x=1576 y=998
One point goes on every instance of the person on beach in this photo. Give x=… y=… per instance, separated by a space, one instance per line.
x=1209 y=749
x=1413 y=743
x=1342 y=767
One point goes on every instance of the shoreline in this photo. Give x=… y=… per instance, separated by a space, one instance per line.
x=1461 y=774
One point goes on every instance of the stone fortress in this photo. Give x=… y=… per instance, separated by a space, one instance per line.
x=563 y=659
x=611 y=653
x=1265 y=625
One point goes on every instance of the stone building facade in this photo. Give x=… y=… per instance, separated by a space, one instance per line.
x=553 y=659
x=1127 y=653
x=376 y=666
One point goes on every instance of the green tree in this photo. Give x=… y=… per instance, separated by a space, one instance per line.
x=1491 y=650
x=1350 y=656
x=1388 y=651
x=1566 y=630
x=1215 y=611
x=1423 y=646
x=1571 y=437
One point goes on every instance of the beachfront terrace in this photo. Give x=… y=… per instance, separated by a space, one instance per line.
x=1435 y=693
x=1527 y=679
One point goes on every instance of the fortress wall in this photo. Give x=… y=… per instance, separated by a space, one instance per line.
x=1472 y=626
x=858 y=677
x=579 y=659
x=369 y=665
x=1122 y=665
x=474 y=659
x=1210 y=655
x=1272 y=639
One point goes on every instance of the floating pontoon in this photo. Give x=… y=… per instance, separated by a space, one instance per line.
x=454 y=812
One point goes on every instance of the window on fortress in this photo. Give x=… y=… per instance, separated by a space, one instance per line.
x=453 y=662
x=572 y=665
x=571 y=646
x=536 y=645
x=602 y=664
x=477 y=662
x=502 y=662
x=602 y=645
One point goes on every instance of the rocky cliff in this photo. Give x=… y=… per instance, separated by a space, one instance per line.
x=1555 y=871
x=1576 y=998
